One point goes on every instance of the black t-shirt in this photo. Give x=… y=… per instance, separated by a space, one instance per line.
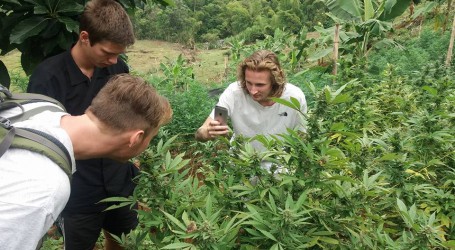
x=95 y=179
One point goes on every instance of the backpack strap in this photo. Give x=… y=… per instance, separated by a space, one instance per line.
x=7 y=132
x=25 y=115
x=31 y=97
x=30 y=139
x=36 y=141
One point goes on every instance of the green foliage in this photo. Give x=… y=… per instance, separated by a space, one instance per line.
x=190 y=101
x=52 y=244
x=177 y=75
x=373 y=171
x=191 y=108
x=430 y=47
x=247 y=19
x=364 y=25
x=165 y=23
x=39 y=29
x=19 y=82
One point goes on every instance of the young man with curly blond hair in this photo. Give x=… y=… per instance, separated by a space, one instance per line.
x=248 y=102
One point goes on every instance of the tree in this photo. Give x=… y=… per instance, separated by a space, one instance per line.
x=42 y=28
x=365 y=22
x=237 y=17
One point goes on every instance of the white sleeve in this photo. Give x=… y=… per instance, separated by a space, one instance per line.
x=227 y=99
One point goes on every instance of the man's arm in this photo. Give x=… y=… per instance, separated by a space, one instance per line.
x=210 y=130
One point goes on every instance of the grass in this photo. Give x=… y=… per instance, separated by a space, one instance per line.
x=145 y=56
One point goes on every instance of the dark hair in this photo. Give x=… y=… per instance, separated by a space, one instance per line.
x=106 y=20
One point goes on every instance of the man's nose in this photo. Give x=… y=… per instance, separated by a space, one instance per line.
x=113 y=59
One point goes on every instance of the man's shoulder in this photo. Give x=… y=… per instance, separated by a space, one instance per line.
x=293 y=90
x=57 y=59
x=52 y=63
x=234 y=86
x=233 y=90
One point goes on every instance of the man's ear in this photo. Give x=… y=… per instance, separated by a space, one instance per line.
x=84 y=37
x=136 y=138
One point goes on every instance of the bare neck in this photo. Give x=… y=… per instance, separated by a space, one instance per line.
x=89 y=141
x=266 y=103
x=81 y=60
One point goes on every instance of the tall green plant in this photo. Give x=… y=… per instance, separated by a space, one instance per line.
x=365 y=23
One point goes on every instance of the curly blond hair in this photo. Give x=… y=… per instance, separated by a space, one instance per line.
x=264 y=60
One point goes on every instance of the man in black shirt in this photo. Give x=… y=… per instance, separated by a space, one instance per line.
x=74 y=78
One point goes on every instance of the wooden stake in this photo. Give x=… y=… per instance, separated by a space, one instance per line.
x=335 y=49
x=449 y=51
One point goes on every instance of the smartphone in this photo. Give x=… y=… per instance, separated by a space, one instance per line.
x=221 y=115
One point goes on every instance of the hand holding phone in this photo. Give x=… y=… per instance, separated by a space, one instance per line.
x=221 y=115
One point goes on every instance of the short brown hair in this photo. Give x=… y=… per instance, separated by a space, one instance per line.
x=264 y=60
x=128 y=102
x=106 y=20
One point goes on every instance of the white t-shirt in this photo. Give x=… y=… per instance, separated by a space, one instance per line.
x=249 y=118
x=33 y=189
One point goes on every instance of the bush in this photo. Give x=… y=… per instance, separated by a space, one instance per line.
x=373 y=172
x=429 y=47
x=191 y=108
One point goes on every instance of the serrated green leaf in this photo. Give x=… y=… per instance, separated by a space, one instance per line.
x=185 y=218
x=296 y=103
x=322 y=233
x=401 y=206
x=178 y=245
x=208 y=205
x=174 y=220
x=275 y=247
x=329 y=240
x=412 y=212
x=341 y=99
x=450 y=244
x=431 y=219
x=123 y=204
x=268 y=235
x=430 y=90
x=115 y=199
x=390 y=157
x=271 y=203
x=282 y=101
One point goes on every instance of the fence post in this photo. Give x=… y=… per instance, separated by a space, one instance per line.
x=335 y=49
x=449 y=51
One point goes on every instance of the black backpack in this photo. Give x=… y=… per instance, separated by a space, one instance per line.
x=30 y=139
